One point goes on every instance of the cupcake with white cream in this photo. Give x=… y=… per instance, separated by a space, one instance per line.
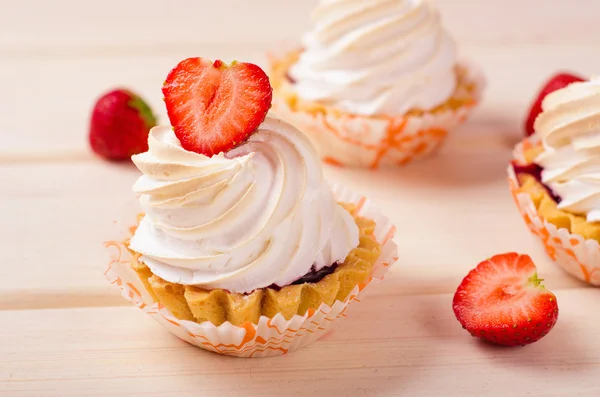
x=239 y=229
x=555 y=178
x=376 y=82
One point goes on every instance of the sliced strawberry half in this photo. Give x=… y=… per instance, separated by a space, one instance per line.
x=557 y=82
x=214 y=107
x=503 y=301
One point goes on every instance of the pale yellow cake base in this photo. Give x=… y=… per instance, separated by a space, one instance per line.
x=547 y=207
x=219 y=306
x=464 y=95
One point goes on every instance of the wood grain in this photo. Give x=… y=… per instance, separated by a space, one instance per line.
x=68 y=209
x=47 y=118
x=30 y=28
x=66 y=332
x=406 y=346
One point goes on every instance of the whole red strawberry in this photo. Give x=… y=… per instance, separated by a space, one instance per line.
x=502 y=301
x=557 y=82
x=214 y=107
x=120 y=124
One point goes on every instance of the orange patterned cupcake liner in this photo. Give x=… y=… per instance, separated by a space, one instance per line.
x=578 y=256
x=344 y=139
x=356 y=141
x=271 y=336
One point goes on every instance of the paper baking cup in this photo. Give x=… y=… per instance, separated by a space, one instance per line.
x=272 y=336
x=577 y=256
x=344 y=139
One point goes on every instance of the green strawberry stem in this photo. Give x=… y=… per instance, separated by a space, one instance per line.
x=144 y=110
x=535 y=281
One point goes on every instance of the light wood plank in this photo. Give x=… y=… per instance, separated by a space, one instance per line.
x=48 y=117
x=451 y=212
x=56 y=218
x=392 y=346
x=34 y=27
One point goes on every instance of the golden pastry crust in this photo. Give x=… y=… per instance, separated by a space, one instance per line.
x=218 y=306
x=465 y=93
x=547 y=207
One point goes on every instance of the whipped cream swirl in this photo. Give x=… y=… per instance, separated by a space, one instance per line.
x=258 y=215
x=569 y=127
x=376 y=57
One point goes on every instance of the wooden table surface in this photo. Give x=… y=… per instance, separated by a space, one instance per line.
x=66 y=332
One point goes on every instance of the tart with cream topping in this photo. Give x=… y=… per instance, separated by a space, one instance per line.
x=555 y=175
x=375 y=82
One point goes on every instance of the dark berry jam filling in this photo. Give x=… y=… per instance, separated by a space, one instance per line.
x=314 y=276
x=535 y=171
x=290 y=79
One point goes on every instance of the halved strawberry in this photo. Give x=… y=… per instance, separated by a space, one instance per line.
x=503 y=301
x=557 y=82
x=212 y=106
